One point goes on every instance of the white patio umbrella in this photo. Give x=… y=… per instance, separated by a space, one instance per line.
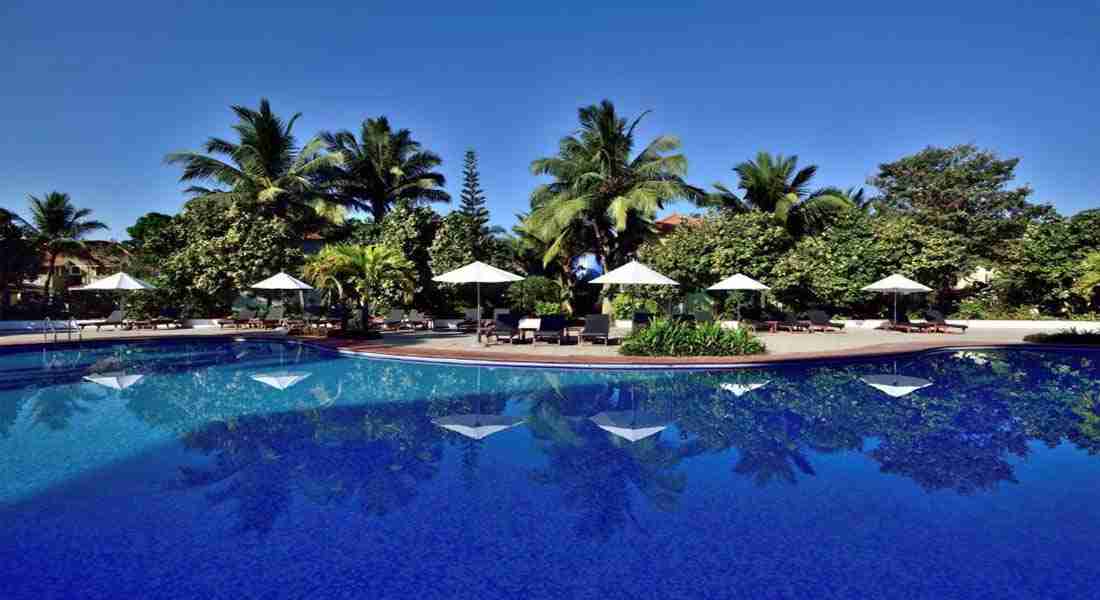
x=634 y=273
x=116 y=380
x=477 y=273
x=739 y=282
x=282 y=281
x=118 y=282
x=896 y=285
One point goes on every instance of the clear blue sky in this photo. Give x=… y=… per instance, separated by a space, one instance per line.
x=95 y=93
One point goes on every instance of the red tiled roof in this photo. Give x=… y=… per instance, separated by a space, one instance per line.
x=674 y=220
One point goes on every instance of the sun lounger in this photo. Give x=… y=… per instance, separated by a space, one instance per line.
x=168 y=317
x=273 y=318
x=788 y=322
x=115 y=319
x=505 y=328
x=394 y=320
x=819 y=321
x=904 y=325
x=416 y=319
x=241 y=319
x=597 y=327
x=936 y=318
x=551 y=328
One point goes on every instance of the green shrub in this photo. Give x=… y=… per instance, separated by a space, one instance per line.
x=1066 y=336
x=623 y=306
x=670 y=338
x=543 y=309
x=524 y=296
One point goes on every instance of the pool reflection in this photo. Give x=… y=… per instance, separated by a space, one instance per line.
x=274 y=426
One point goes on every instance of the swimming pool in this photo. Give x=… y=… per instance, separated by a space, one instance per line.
x=266 y=469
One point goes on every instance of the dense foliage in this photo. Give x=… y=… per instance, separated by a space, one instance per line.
x=960 y=189
x=1066 y=336
x=225 y=250
x=830 y=270
x=673 y=338
x=523 y=297
x=18 y=256
x=261 y=202
x=371 y=275
x=625 y=305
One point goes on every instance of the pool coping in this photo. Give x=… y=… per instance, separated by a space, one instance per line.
x=367 y=349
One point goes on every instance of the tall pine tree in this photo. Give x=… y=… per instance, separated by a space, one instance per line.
x=473 y=201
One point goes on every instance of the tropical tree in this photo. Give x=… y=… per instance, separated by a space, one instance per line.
x=775 y=185
x=382 y=168
x=473 y=202
x=1089 y=279
x=365 y=271
x=964 y=190
x=18 y=255
x=602 y=199
x=60 y=227
x=265 y=165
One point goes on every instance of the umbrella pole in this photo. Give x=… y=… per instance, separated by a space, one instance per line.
x=477 y=339
x=895 y=307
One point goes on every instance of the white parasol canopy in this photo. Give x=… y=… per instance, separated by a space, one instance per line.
x=476 y=426
x=117 y=282
x=114 y=380
x=282 y=281
x=740 y=389
x=897 y=284
x=280 y=380
x=895 y=385
x=632 y=425
x=633 y=273
x=739 y=282
x=478 y=273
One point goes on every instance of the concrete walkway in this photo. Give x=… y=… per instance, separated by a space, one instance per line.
x=425 y=344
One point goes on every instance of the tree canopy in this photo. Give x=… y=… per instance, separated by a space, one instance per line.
x=960 y=189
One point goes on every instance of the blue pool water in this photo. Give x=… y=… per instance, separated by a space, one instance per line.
x=217 y=469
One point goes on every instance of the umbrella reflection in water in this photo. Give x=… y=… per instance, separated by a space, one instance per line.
x=476 y=425
x=632 y=425
x=283 y=378
x=740 y=389
x=895 y=385
x=114 y=380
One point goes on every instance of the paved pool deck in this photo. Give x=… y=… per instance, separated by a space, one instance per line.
x=784 y=346
x=431 y=345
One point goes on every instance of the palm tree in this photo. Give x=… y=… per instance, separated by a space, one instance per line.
x=602 y=197
x=775 y=184
x=60 y=227
x=366 y=270
x=265 y=166
x=382 y=168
